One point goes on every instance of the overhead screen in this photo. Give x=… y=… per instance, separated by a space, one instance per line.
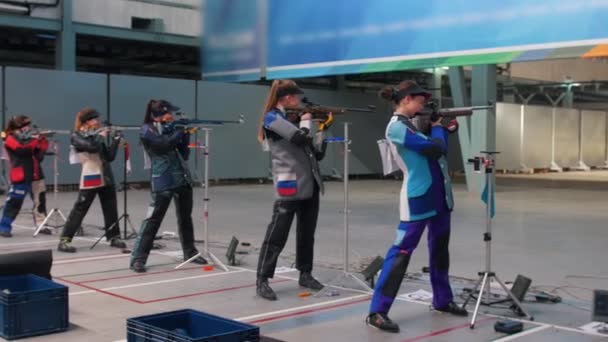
x=313 y=37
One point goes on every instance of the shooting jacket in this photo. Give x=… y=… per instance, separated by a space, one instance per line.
x=295 y=167
x=427 y=188
x=25 y=156
x=95 y=153
x=168 y=151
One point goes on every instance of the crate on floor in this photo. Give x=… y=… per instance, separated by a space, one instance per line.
x=31 y=305
x=189 y=326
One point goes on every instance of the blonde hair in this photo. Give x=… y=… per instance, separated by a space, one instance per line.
x=272 y=100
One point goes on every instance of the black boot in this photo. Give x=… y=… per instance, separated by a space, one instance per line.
x=66 y=247
x=308 y=281
x=138 y=266
x=199 y=260
x=264 y=290
x=116 y=242
x=382 y=322
x=453 y=309
x=45 y=231
x=6 y=234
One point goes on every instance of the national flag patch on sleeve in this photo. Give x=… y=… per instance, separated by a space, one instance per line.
x=287 y=184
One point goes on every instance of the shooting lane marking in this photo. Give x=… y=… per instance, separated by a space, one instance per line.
x=106 y=290
x=226 y=289
x=101 y=291
x=171 y=270
x=523 y=333
x=281 y=313
x=102 y=257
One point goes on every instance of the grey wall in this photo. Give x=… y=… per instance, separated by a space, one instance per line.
x=234 y=150
x=594 y=133
x=566 y=136
x=548 y=128
x=508 y=123
x=52 y=98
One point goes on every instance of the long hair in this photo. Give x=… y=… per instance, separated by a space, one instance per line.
x=77 y=122
x=16 y=122
x=271 y=102
x=148 y=116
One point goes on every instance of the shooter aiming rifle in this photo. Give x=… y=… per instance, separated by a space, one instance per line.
x=432 y=113
x=320 y=112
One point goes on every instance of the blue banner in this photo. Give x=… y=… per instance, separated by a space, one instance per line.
x=298 y=38
x=231 y=46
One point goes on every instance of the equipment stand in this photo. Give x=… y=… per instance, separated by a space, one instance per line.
x=125 y=214
x=485 y=278
x=206 y=253
x=54 y=211
x=346 y=274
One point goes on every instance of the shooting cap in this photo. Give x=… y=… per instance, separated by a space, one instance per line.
x=160 y=107
x=88 y=114
x=21 y=121
x=413 y=90
x=289 y=90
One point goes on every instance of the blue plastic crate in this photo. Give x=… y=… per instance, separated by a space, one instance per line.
x=31 y=305
x=189 y=326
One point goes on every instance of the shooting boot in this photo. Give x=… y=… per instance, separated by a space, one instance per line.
x=308 y=281
x=453 y=309
x=66 y=247
x=117 y=243
x=264 y=290
x=138 y=266
x=382 y=322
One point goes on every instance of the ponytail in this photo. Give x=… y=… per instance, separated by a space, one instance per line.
x=272 y=100
x=148 y=115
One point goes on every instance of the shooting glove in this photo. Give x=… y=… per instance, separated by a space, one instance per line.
x=452 y=126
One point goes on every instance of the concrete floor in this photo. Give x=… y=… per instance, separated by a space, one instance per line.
x=554 y=235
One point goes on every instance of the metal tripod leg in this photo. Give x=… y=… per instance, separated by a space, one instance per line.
x=338 y=281
x=464 y=305
x=481 y=289
x=47 y=218
x=208 y=255
x=130 y=224
x=516 y=301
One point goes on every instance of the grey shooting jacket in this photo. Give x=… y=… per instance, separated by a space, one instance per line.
x=295 y=154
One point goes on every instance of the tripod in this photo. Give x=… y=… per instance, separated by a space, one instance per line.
x=125 y=214
x=346 y=274
x=54 y=211
x=485 y=277
x=206 y=253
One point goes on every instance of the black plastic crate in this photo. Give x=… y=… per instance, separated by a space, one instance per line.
x=189 y=326
x=31 y=305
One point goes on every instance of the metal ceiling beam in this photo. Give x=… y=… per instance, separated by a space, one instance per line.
x=31 y=23
x=129 y=34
